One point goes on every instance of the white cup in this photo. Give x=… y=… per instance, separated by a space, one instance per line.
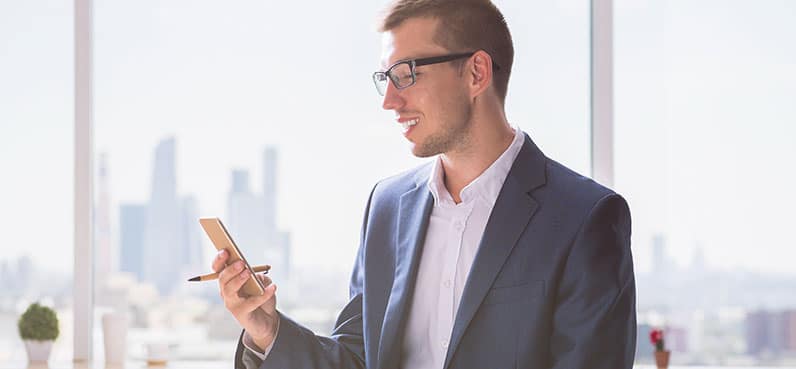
x=114 y=336
x=157 y=353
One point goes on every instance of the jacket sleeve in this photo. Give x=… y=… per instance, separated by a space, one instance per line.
x=298 y=347
x=594 y=321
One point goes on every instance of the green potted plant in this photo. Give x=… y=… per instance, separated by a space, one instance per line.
x=38 y=327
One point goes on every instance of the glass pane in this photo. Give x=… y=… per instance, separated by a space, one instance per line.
x=704 y=151
x=203 y=112
x=36 y=151
x=550 y=80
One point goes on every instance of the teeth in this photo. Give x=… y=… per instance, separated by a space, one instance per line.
x=408 y=124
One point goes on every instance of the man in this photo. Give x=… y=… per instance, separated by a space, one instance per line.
x=490 y=256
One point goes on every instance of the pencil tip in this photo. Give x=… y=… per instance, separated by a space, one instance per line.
x=194 y=279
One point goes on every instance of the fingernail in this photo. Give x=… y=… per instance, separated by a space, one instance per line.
x=238 y=266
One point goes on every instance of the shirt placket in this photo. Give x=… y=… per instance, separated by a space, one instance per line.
x=447 y=309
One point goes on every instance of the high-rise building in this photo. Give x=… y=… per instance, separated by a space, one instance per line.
x=790 y=330
x=245 y=218
x=270 y=158
x=768 y=332
x=132 y=226
x=6 y=276
x=26 y=273
x=660 y=260
x=191 y=252
x=278 y=242
x=251 y=219
x=698 y=264
x=756 y=332
x=161 y=242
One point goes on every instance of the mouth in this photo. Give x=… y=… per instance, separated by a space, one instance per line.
x=407 y=124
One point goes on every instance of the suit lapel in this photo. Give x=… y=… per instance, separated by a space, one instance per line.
x=413 y=217
x=513 y=210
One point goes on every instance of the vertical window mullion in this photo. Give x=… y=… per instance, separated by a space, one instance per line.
x=602 y=92
x=83 y=260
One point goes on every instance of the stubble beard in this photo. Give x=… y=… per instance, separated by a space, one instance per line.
x=452 y=135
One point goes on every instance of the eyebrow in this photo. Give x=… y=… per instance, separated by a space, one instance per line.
x=420 y=56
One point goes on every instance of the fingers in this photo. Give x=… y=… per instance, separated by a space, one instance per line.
x=219 y=262
x=265 y=279
x=230 y=280
x=252 y=303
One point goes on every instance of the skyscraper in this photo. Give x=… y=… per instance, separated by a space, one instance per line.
x=245 y=218
x=251 y=219
x=767 y=332
x=269 y=188
x=161 y=260
x=190 y=254
x=660 y=262
x=132 y=226
x=278 y=242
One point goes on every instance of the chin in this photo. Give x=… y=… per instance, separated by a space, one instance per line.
x=422 y=152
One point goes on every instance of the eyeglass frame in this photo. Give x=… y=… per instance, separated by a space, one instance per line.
x=417 y=63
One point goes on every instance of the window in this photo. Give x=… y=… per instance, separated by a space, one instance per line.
x=36 y=150
x=704 y=151
x=549 y=92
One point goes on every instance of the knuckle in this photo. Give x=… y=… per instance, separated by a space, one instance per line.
x=224 y=276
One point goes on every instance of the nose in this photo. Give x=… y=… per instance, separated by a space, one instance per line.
x=392 y=98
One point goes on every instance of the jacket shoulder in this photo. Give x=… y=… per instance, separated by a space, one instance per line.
x=391 y=188
x=572 y=188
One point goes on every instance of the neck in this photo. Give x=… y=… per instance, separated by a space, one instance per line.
x=489 y=137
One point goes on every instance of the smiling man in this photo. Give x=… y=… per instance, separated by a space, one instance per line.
x=490 y=256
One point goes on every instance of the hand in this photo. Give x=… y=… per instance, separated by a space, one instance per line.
x=256 y=314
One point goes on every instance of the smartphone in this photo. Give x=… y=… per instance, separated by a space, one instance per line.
x=223 y=241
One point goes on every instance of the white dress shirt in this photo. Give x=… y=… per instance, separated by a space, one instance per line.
x=454 y=232
x=452 y=239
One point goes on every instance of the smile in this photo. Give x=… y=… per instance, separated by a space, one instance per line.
x=409 y=123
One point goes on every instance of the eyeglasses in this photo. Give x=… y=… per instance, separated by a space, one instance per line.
x=402 y=74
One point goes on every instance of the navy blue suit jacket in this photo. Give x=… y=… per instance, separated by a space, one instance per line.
x=551 y=285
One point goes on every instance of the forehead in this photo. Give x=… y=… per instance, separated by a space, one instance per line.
x=411 y=39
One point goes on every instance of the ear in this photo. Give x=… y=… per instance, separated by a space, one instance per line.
x=479 y=69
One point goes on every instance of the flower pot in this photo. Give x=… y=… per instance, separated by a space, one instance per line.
x=662 y=359
x=38 y=351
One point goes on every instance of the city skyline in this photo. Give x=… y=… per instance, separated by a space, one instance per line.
x=160 y=240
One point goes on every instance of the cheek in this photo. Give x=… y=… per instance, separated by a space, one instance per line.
x=422 y=98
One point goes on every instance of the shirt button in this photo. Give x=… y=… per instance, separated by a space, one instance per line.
x=458 y=226
x=447 y=283
x=444 y=343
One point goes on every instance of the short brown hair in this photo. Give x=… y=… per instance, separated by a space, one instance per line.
x=464 y=25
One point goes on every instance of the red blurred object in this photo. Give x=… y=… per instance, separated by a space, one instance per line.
x=656 y=335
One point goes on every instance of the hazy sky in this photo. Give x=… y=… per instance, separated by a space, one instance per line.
x=704 y=115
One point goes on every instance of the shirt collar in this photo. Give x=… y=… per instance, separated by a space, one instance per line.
x=487 y=185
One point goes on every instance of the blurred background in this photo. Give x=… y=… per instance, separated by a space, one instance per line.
x=264 y=114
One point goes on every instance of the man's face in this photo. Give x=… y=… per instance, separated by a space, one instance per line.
x=438 y=101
